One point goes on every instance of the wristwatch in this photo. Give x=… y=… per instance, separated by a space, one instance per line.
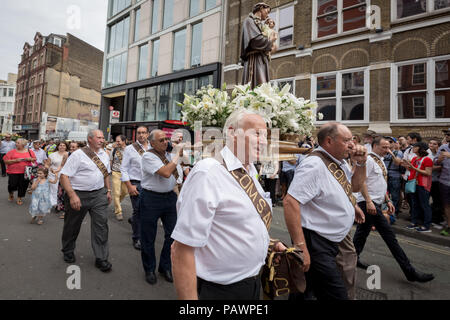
x=109 y=190
x=360 y=165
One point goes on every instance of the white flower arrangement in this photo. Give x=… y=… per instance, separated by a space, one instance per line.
x=279 y=108
x=211 y=106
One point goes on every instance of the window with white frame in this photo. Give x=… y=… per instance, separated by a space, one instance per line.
x=409 y=8
x=280 y=83
x=284 y=24
x=333 y=17
x=342 y=95
x=57 y=42
x=421 y=90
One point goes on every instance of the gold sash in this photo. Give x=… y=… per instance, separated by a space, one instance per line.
x=165 y=161
x=91 y=154
x=261 y=205
x=138 y=148
x=378 y=161
x=337 y=173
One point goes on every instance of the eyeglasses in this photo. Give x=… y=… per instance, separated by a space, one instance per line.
x=163 y=139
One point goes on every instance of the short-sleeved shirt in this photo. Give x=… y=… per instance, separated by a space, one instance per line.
x=19 y=167
x=152 y=181
x=444 y=178
x=324 y=205
x=218 y=219
x=83 y=173
x=376 y=184
x=422 y=180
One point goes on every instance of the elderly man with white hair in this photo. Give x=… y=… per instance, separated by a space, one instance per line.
x=221 y=240
x=85 y=178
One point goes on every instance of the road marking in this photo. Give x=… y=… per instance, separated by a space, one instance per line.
x=418 y=245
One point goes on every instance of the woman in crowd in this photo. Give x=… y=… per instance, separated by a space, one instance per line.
x=16 y=160
x=56 y=160
x=421 y=167
x=119 y=188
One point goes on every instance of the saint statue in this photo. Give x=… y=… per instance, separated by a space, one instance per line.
x=258 y=42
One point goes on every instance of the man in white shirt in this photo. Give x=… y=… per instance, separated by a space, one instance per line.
x=158 y=201
x=371 y=198
x=319 y=208
x=132 y=175
x=41 y=156
x=88 y=190
x=221 y=241
x=6 y=145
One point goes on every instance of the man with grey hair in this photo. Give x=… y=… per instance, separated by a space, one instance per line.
x=221 y=236
x=158 y=201
x=85 y=178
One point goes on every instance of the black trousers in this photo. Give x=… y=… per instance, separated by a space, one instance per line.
x=247 y=289
x=323 y=279
x=385 y=231
x=269 y=186
x=3 y=163
x=438 y=213
x=17 y=182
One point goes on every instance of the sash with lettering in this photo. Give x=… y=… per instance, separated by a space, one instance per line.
x=165 y=161
x=100 y=165
x=337 y=173
x=138 y=148
x=383 y=168
x=277 y=277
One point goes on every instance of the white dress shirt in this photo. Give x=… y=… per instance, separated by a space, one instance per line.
x=375 y=182
x=217 y=217
x=324 y=205
x=131 y=163
x=152 y=181
x=83 y=173
x=41 y=156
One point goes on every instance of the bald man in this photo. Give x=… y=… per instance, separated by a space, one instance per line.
x=158 y=201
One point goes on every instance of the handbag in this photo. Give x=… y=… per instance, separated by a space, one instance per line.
x=410 y=186
x=285 y=276
x=30 y=171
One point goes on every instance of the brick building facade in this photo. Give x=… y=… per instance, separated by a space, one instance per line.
x=393 y=78
x=58 y=87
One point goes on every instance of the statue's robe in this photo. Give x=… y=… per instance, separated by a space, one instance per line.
x=254 y=49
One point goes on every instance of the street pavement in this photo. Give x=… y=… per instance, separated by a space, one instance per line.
x=32 y=267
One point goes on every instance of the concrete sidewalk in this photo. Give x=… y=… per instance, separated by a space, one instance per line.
x=399 y=227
